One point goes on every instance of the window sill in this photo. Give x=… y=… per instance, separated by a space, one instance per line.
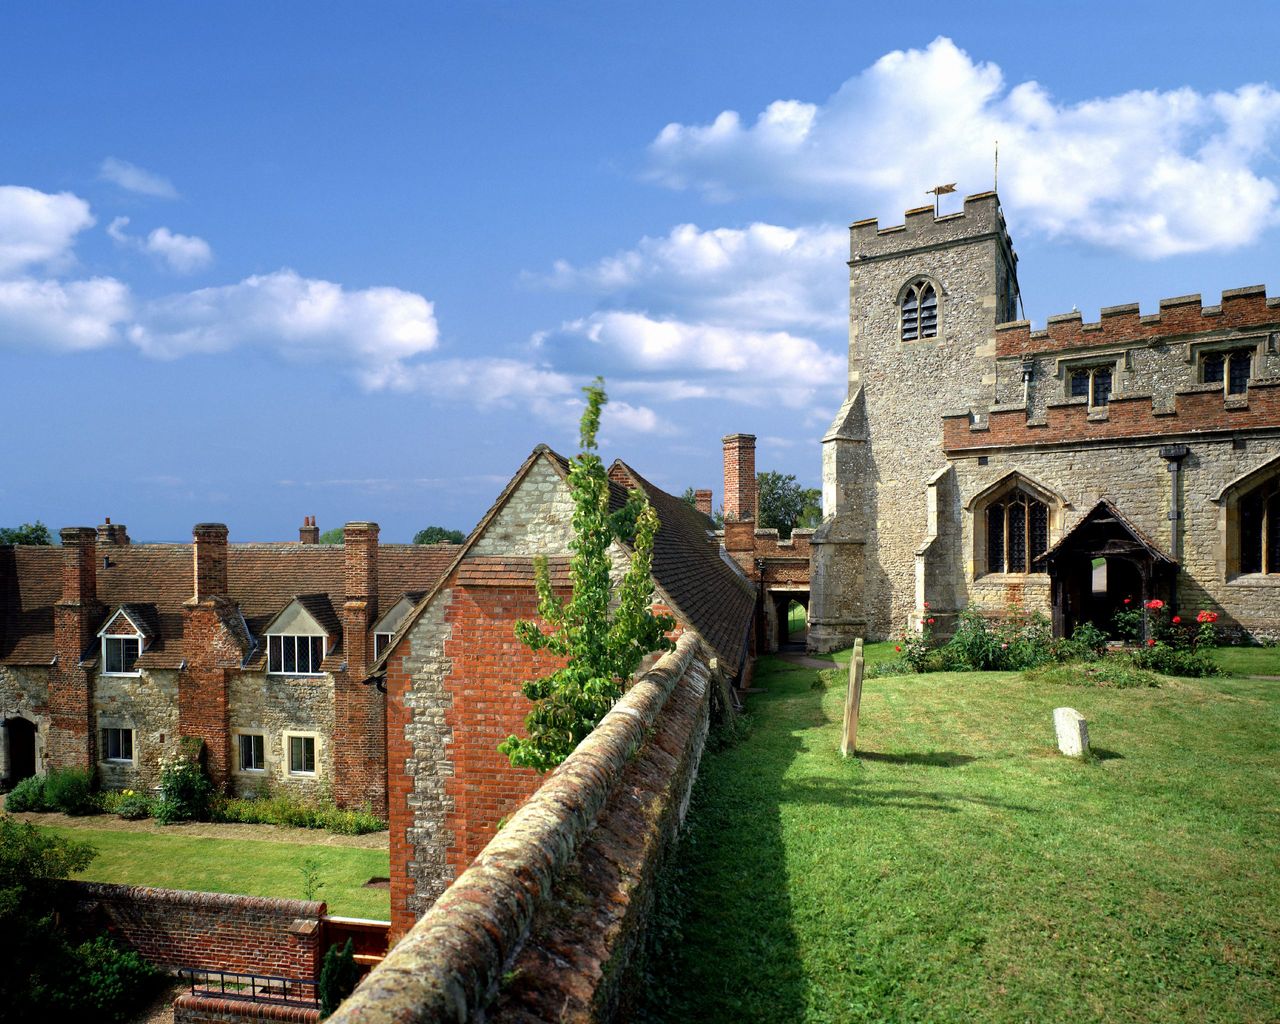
x=251 y=771
x=121 y=675
x=1255 y=579
x=112 y=762
x=297 y=675
x=302 y=775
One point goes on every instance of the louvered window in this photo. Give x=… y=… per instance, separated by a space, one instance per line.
x=920 y=312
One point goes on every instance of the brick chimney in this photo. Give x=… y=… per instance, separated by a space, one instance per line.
x=739 y=478
x=359 y=711
x=71 y=733
x=308 y=532
x=210 y=543
x=702 y=501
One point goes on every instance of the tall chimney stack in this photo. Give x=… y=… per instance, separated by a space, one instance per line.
x=702 y=501
x=739 y=478
x=71 y=738
x=79 y=566
x=210 y=542
x=309 y=533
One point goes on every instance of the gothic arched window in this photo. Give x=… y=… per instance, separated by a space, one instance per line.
x=1017 y=533
x=919 y=311
x=1259 y=519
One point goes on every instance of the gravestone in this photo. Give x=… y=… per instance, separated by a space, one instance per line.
x=852 y=702
x=1073 y=731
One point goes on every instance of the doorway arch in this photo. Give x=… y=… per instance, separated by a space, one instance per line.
x=20 y=750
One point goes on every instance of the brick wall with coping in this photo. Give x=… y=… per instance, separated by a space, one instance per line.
x=205 y=930
x=197 y=1009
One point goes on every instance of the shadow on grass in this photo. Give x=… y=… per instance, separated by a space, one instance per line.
x=933 y=759
x=1103 y=754
x=851 y=795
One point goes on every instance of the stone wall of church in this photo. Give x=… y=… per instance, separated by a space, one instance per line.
x=1136 y=480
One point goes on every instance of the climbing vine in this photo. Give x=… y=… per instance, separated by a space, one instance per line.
x=601 y=630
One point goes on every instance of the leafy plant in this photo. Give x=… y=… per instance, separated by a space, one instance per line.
x=27 y=795
x=785 y=505
x=338 y=977
x=286 y=809
x=602 y=633
x=438 y=535
x=311 y=881
x=112 y=982
x=185 y=789
x=70 y=790
x=133 y=806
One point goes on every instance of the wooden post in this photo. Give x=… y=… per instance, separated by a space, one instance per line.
x=852 y=702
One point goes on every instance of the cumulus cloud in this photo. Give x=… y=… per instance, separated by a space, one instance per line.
x=133 y=178
x=762 y=276
x=38 y=227
x=63 y=317
x=295 y=316
x=1152 y=172
x=183 y=254
x=674 y=359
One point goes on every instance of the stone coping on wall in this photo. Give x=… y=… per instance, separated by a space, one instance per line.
x=452 y=962
x=199 y=1009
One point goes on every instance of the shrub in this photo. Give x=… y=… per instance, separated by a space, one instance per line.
x=286 y=809
x=1117 y=673
x=1126 y=624
x=1086 y=643
x=70 y=790
x=185 y=789
x=1018 y=641
x=112 y=983
x=27 y=795
x=133 y=806
x=338 y=977
x=1159 y=656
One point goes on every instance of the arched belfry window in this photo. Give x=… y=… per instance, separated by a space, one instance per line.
x=919 y=311
x=1017 y=533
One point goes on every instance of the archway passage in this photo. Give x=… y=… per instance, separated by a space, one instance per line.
x=20 y=742
x=797 y=628
x=1103 y=561
x=786 y=620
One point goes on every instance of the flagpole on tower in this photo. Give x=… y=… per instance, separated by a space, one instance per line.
x=938 y=191
x=995 y=173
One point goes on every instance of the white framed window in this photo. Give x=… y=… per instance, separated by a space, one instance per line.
x=301 y=751
x=117 y=745
x=381 y=641
x=119 y=655
x=252 y=749
x=293 y=655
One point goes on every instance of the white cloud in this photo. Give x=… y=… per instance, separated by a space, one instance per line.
x=62 y=317
x=677 y=359
x=760 y=277
x=294 y=316
x=1154 y=173
x=183 y=254
x=135 y=179
x=38 y=227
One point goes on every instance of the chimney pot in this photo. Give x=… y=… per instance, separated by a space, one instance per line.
x=309 y=533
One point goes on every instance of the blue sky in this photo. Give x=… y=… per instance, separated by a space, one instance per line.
x=261 y=261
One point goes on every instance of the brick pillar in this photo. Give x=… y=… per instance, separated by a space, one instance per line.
x=359 y=711
x=71 y=742
x=702 y=501
x=210 y=652
x=739 y=478
x=309 y=533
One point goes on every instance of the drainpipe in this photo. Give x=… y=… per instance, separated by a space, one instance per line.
x=1173 y=454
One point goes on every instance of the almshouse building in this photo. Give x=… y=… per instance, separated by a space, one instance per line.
x=110 y=651
x=978 y=464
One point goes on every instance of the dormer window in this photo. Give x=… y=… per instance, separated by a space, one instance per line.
x=919 y=311
x=120 y=655
x=1229 y=368
x=381 y=641
x=292 y=655
x=1093 y=383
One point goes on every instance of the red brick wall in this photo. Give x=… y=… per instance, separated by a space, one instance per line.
x=359 y=711
x=194 y=1009
x=1196 y=411
x=489 y=666
x=739 y=477
x=206 y=930
x=71 y=734
x=202 y=688
x=399 y=790
x=1176 y=317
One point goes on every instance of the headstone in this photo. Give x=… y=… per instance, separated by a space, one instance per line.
x=852 y=702
x=1073 y=731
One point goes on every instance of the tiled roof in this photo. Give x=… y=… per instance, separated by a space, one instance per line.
x=263 y=578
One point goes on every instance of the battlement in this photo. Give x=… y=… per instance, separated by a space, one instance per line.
x=1240 y=308
x=980 y=218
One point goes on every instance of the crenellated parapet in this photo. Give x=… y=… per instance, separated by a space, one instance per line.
x=980 y=218
x=1240 y=309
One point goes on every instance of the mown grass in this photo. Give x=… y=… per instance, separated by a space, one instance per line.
x=1248 y=661
x=960 y=869
x=248 y=867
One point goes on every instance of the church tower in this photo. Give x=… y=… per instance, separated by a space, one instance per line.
x=924 y=301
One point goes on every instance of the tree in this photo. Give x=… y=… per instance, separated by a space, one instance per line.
x=438 y=535
x=28 y=533
x=603 y=632
x=333 y=536
x=338 y=977
x=785 y=505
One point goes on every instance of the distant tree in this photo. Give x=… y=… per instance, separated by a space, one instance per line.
x=439 y=535
x=785 y=505
x=333 y=536
x=603 y=630
x=28 y=533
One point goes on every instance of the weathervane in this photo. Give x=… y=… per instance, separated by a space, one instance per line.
x=937 y=191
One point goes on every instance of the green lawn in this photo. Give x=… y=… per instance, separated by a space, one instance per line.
x=1248 y=661
x=248 y=867
x=960 y=869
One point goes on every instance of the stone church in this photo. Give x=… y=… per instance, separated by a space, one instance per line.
x=978 y=464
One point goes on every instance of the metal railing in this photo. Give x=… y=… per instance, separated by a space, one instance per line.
x=254 y=988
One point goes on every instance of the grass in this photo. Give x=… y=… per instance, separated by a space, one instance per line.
x=1248 y=661
x=248 y=867
x=960 y=869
